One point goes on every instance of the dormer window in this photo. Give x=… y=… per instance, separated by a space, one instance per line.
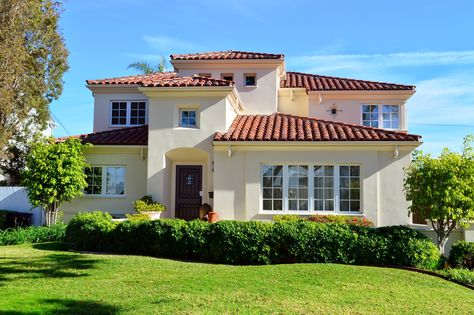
x=227 y=76
x=381 y=116
x=127 y=113
x=250 y=79
x=204 y=75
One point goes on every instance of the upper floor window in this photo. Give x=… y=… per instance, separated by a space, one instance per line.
x=250 y=79
x=187 y=118
x=204 y=75
x=105 y=180
x=227 y=76
x=381 y=116
x=128 y=113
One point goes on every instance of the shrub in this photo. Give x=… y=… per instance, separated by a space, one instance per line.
x=461 y=275
x=234 y=242
x=33 y=234
x=89 y=231
x=462 y=255
x=341 y=219
x=287 y=217
x=146 y=204
x=137 y=217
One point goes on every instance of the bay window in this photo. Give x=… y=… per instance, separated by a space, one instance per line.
x=381 y=116
x=311 y=188
x=105 y=180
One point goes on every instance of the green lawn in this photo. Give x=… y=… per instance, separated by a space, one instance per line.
x=38 y=279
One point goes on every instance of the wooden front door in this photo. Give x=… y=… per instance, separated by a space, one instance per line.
x=188 y=191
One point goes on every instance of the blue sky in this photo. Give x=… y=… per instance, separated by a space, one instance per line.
x=427 y=43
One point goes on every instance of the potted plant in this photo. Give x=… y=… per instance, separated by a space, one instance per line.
x=212 y=217
x=147 y=206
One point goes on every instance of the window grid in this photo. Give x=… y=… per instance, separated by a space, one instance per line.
x=324 y=188
x=391 y=116
x=105 y=181
x=128 y=113
x=349 y=188
x=298 y=188
x=137 y=113
x=187 y=118
x=250 y=79
x=370 y=115
x=319 y=182
x=272 y=176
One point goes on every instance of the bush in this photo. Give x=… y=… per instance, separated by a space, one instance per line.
x=462 y=255
x=234 y=242
x=460 y=275
x=137 y=217
x=287 y=217
x=90 y=231
x=146 y=204
x=33 y=234
x=341 y=219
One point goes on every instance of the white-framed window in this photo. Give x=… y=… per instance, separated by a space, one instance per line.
x=391 y=116
x=250 y=79
x=188 y=118
x=128 y=113
x=105 y=181
x=311 y=188
x=381 y=116
x=227 y=76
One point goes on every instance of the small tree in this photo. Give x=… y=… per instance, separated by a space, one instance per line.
x=442 y=189
x=55 y=173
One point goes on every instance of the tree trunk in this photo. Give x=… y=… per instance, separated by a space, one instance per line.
x=51 y=213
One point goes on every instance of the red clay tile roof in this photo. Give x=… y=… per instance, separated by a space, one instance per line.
x=284 y=127
x=227 y=55
x=313 y=82
x=123 y=136
x=164 y=79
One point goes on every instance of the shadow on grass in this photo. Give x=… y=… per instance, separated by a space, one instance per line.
x=55 y=265
x=53 y=246
x=67 y=306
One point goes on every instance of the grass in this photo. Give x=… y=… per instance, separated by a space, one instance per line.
x=42 y=278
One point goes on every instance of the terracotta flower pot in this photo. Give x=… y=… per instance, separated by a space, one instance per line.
x=213 y=217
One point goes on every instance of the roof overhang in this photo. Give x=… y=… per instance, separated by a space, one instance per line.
x=113 y=88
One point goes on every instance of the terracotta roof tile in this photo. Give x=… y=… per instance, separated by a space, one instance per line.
x=123 y=136
x=163 y=79
x=284 y=127
x=314 y=82
x=227 y=55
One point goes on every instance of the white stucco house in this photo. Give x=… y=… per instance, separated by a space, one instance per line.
x=238 y=131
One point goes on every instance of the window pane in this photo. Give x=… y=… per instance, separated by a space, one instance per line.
x=272 y=187
x=323 y=187
x=115 y=181
x=188 y=118
x=250 y=80
x=119 y=113
x=391 y=116
x=94 y=181
x=297 y=191
x=349 y=189
x=137 y=113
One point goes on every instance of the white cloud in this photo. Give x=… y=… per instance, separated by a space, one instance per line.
x=167 y=44
x=375 y=63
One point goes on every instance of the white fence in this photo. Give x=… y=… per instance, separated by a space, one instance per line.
x=16 y=199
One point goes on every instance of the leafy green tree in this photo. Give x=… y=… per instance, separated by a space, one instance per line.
x=147 y=68
x=55 y=173
x=33 y=59
x=442 y=189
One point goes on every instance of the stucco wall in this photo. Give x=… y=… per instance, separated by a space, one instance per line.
x=169 y=145
x=135 y=181
x=102 y=106
x=349 y=106
x=261 y=99
x=237 y=180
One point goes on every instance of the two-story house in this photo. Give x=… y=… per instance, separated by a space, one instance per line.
x=237 y=131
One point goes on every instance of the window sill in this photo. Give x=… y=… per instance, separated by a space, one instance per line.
x=185 y=128
x=105 y=196
x=307 y=213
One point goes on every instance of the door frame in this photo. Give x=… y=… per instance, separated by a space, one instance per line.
x=204 y=198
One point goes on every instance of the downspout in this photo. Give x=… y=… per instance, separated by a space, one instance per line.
x=395 y=152
x=229 y=151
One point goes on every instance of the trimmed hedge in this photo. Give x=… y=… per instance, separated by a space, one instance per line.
x=462 y=255
x=325 y=218
x=253 y=242
x=33 y=234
